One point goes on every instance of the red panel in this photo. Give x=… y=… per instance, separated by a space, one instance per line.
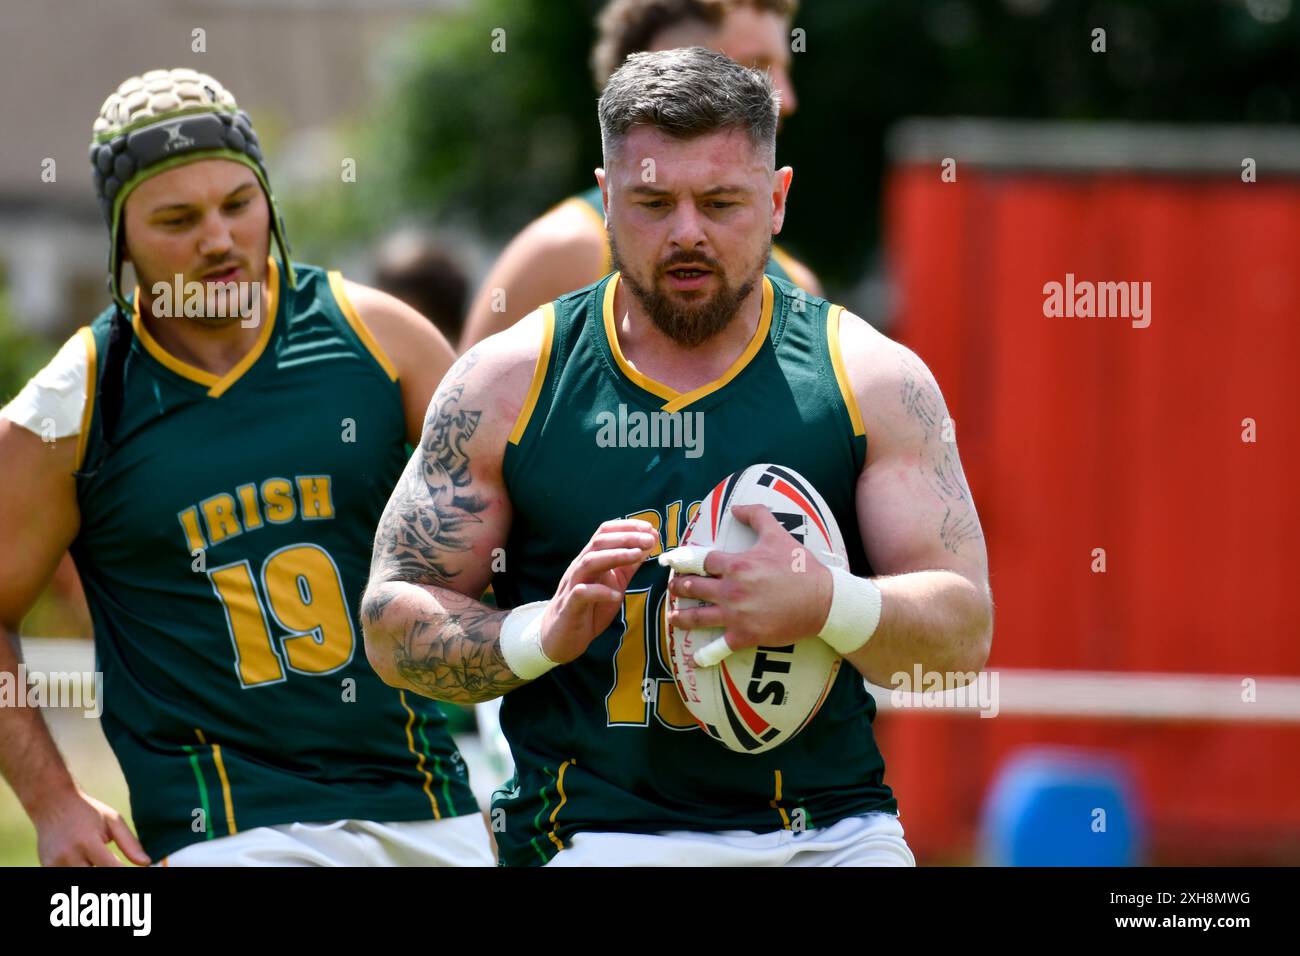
x=1084 y=433
x=1210 y=793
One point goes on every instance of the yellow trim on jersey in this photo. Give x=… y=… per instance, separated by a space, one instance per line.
x=225 y=781
x=88 y=340
x=151 y=346
x=786 y=262
x=225 y=787
x=419 y=757
x=611 y=334
x=756 y=343
x=217 y=385
x=675 y=400
x=539 y=374
x=776 y=803
x=842 y=376
x=358 y=326
x=607 y=264
x=564 y=797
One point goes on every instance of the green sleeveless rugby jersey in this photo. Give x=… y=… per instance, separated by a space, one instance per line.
x=605 y=742
x=224 y=545
x=591 y=201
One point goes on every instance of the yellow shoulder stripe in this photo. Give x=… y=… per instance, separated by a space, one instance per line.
x=842 y=376
x=539 y=374
x=358 y=326
x=88 y=410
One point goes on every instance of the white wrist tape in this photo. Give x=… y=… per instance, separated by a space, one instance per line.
x=855 y=612
x=521 y=641
x=688 y=559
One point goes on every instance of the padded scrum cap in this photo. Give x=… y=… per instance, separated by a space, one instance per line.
x=161 y=120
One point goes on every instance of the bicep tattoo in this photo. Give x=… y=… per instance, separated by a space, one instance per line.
x=434 y=507
x=938 y=459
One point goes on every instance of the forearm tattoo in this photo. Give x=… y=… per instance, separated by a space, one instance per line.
x=457 y=657
x=423 y=539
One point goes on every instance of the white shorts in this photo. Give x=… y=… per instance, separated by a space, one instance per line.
x=875 y=839
x=457 y=841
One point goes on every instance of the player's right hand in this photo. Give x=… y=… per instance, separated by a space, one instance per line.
x=75 y=830
x=591 y=592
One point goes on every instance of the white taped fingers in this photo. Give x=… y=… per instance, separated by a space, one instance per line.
x=688 y=559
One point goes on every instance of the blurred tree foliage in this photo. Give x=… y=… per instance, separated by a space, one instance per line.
x=22 y=352
x=495 y=138
x=498 y=114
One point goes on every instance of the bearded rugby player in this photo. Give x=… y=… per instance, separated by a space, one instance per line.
x=512 y=485
x=567 y=248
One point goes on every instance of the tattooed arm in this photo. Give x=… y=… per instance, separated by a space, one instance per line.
x=425 y=629
x=917 y=518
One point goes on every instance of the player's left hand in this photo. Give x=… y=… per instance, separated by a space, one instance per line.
x=774 y=594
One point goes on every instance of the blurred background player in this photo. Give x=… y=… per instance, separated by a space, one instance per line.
x=219 y=448
x=567 y=247
x=609 y=772
x=414 y=266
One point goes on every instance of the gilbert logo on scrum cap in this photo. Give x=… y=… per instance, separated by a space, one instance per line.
x=175 y=138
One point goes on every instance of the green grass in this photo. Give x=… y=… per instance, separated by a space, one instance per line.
x=93 y=766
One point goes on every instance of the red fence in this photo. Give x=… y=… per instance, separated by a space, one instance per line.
x=1088 y=433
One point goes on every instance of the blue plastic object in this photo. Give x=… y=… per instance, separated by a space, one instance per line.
x=1055 y=807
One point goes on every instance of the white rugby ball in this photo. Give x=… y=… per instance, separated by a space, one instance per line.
x=758 y=697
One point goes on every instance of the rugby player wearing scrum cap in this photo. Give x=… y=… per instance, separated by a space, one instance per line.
x=224 y=440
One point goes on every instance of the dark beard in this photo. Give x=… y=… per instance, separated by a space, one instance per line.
x=690 y=325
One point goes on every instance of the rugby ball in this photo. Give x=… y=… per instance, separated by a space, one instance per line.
x=757 y=698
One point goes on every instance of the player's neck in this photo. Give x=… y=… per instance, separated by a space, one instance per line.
x=214 y=347
x=657 y=356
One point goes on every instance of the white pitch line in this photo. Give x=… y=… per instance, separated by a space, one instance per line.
x=1102 y=694
x=1214 y=698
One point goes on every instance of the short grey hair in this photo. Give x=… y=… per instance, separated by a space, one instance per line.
x=687 y=93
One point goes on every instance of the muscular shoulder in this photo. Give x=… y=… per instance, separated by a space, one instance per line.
x=493 y=378
x=407 y=339
x=897 y=395
x=564 y=249
x=571 y=224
